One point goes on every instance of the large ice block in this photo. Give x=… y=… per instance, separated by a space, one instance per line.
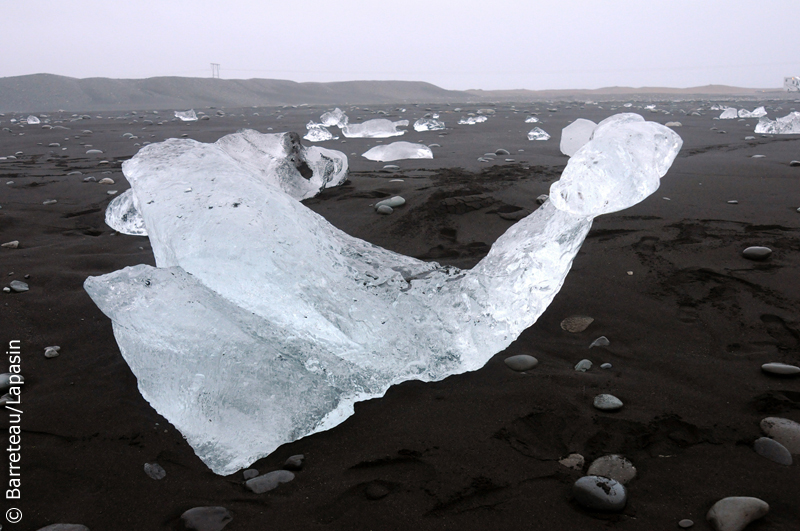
x=756 y=113
x=398 y=151
x=263 y=323
x=377 y=128
x=787 y=125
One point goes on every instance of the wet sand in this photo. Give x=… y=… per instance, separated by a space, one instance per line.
x=688 y=330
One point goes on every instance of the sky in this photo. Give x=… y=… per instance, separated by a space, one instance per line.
x=463 y=44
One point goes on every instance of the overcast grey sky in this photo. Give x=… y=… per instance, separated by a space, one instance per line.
x=456 y=44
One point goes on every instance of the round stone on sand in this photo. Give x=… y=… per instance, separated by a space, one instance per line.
x=734 y=513
x=392 y=202
x=64 y=527
x=781 y=369
x=10 y=245
x=576 y=323
x=785 y=431
x=52 y=352
x=384 y=209
x=607 y=402
x=795 y=163
x=614 y=467
x=294 y=462
x=269 y=481
x=206 y=518
x=376 y=491
x=606 y=366
x=599 y=493
x=685 y=523
x=757 y=253
x=583 y=365
x=250 y=473
x=521 y=362
x=106 y=180
x=601 y=341
x=772 y=450
x=573 y=461
x=18 y=286
x=155 y=471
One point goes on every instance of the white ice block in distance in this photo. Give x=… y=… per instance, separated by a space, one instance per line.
x=263 y=323
x=787 y=125
x=186 y=116
x=756 y=113
x=575 y=135
x=428 y=124
x=729 y=114
x=336 y=117
x=398 y=151
x=377 y=128
x=32 y=120
x=318 y=133
x=279 y=159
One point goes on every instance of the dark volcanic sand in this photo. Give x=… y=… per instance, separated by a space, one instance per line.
x=688 y=330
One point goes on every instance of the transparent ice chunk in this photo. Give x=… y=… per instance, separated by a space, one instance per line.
x=336 y=118
x=531 y=120
x=263 y=323
x=318 y=133
x=32 y=120
x=186 y=116
x=377 y=128
x=472 y=120
x=398 y=151
x=729 y=113
x=756 y=113
x=537 y=133
x=575 y=135
x=122 y=215
x=428 y=124
x=787 y=125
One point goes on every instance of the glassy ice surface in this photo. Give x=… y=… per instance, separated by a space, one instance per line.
x=398 y=151
x=336 y=117
x=32 y=120
x=263 y=323
x=756 y=113
x=278 y=159
x=729 y=114
x=472 y=120
x=531 y=120
x=575 y=135
x=538 y=133
x=787 y=125
x=186 y=116
x=428 y=124
x=377 y=128
x=318 y=133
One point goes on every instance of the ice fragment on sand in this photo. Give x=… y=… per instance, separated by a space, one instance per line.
x=377 y=128
x=575 y=135
x=538 y=133
x=472 y=120
x=531 y=120
x=757 y=113
x=305 y=320
x=398 y=151
x=607 y=402
x=428 y=124
x=600 y=494
x=155 y=471
x=601 y=341
x=278 y=160
x=336 y=117
x=186 y=116
x=269 y=481
x=318 y=133
x=32 y=120
x=729 y=114
x=787 y=125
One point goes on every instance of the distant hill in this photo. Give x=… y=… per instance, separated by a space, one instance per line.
x=47 y=92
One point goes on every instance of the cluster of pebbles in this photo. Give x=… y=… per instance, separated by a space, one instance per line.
x=603 y=488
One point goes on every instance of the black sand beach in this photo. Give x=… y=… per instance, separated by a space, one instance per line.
x=690 y=322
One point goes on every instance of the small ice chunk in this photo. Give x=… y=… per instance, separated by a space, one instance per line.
x=538 y=134
x=318 y=133
x=757 y=113
x=377 y=128
x=336 y=118
x=428 y=124
x=787 y=125
x=32 y=120
x=729 y=114
x=531 y=120
x=186 y=116
x=575 y=135
x=398 y=151
x=472 y=120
